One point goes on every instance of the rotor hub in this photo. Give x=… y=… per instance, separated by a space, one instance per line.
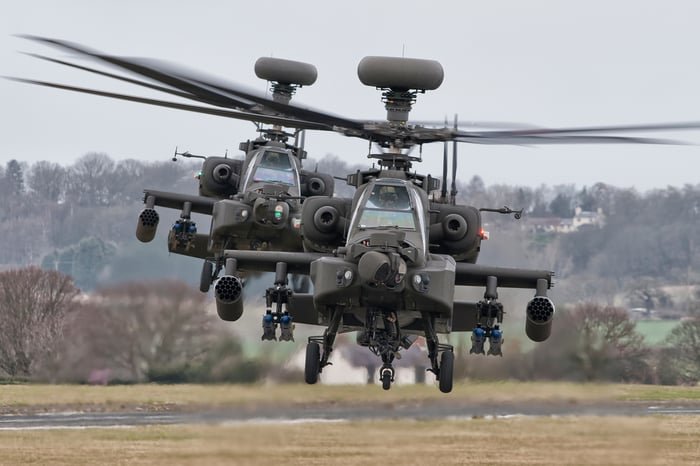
x=398 y=104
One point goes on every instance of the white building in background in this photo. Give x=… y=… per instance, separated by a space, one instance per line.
x=581 y=219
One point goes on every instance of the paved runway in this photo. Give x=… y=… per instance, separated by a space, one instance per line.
x=337 y=413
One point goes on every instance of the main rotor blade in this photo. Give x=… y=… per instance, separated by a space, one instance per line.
x=476 y=124
x=156 y=87
x=267 y=119
x=214 y=90
x=563 y=139
x=590 y=129
x=125 y=64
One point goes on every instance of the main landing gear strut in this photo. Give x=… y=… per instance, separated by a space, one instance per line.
x=319 y=349
x=383 y=337
x=444 y=371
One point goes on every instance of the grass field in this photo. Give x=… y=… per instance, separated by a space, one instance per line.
x=21 y=397
x=671 y=440
x=656 y=331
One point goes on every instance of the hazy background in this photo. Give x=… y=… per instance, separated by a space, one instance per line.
x=543 y=62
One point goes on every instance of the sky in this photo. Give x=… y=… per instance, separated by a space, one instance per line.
x=542 y=62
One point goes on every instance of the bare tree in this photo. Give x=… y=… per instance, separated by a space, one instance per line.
x=683 y=354
x=609 y=347
x=34 y=304
x=88 y=179
x=47 y=180
x=593 y=342
x=140 y=328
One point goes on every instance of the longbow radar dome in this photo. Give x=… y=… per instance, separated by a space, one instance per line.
x=285 y=71
x=399 y=73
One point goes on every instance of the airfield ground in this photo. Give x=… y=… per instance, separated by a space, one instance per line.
x=568 y=439
x=22 y=398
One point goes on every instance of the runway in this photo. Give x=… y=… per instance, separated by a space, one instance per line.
x=279 y=414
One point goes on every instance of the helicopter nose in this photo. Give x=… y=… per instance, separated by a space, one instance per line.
x=374 y=267
x=377 y=268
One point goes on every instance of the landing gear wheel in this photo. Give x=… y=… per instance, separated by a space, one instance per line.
x=447 y=363
x=205 y=279
x=313 y=362
x=386 y=379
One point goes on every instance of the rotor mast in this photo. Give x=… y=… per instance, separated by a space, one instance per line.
x=400 y=80
x=285 y=77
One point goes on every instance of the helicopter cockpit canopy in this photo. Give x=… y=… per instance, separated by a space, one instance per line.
x=273 y=167
x=388 y=206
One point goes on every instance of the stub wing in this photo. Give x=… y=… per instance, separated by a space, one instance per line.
x=199 y=204
x=477 y=275
x=266 y=261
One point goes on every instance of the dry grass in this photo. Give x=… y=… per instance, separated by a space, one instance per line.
x=659 y=440
x=19 y=397
x=534 y=441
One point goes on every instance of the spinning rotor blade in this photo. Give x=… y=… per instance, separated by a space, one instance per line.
x=596 y=129
x=563 y=139
x=476 y=124
x=254 y=106
x=268 y=119
x=421 y=135
x=168 y=90
x=134 y=67
x=207 y=89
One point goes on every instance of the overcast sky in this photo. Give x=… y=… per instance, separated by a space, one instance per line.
x=550 y=63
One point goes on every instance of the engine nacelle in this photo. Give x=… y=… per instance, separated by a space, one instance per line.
x=455 y=230
x=323 y=222
x=540 y=315
x=220 y=177
x=454 y=227
x=326 y=219
x=147 y=225
x=316 y=184
x=228 y=292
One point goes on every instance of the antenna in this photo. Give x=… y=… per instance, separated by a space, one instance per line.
x=453 y=190
x=187 y=154
x=443 y=191
x=302 y=143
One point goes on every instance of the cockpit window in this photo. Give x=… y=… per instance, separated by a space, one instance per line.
x=275 y=160
x=388 y=207
x=389 y=197
x=274 y=167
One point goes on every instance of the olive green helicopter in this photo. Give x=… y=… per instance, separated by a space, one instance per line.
x=384 y=263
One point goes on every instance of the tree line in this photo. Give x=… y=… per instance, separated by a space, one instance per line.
x=166 y=331
x=79 y=219
x=160 y=331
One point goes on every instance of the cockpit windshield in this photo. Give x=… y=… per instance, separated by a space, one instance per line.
x=274 y=167
x=388 y=207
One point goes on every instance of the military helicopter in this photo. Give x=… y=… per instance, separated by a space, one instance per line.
x=386 y=262
x=254 y=202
